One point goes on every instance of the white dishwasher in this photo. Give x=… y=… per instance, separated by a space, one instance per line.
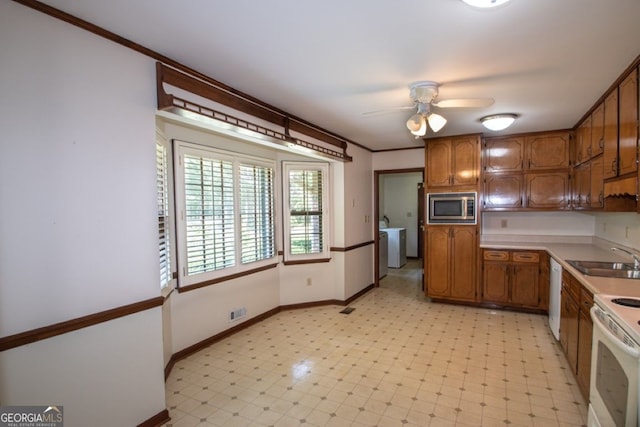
x=555 y=286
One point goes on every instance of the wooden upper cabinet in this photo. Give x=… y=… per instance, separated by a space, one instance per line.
x=583 y=141
x=504 y=154
x=536 y=152
x=547 y=151
x=597 y=183
x=610 y=157
x=438 y=163
x=464 y=169
x=581 y=183
x=503 y=191
x=628 y=116
x=452 y=161
x=597 y=131
x=548 y=191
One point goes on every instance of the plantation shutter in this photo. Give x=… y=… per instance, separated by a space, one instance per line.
x=163 y=215
x=306 y=215
x=209 y=214
x=257 y=216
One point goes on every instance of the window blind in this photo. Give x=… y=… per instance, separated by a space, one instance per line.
x=306 y=212
x=163 y=215
x=257 y=214
x=209 y=214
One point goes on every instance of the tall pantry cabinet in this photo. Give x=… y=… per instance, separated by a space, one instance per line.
x=450 y=250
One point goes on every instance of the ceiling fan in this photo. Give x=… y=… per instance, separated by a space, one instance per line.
x=424 y=95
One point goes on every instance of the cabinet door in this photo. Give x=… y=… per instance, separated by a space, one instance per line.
x=463 y=262
x=495 y=282
x=547 y=151
x=502 y=192
x=581 y=186
x=597 y=131
x=597 y=183
x=437 y=262
x=583 y=141
x=628 y=116
x=547 y=190
x=504 y=154
x=439 y=163
x=611 y=135
x=524 y=284
x=464 y=156
x=569 y=328
x=585 y=333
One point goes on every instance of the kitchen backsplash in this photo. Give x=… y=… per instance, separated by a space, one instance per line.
x=622 y=228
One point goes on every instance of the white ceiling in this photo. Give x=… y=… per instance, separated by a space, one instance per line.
x=329 y=61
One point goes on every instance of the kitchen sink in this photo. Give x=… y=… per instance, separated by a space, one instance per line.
x=618 y=270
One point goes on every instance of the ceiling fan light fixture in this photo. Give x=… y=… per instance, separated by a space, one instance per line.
x=498 y=122
x=485 y=4
x=436 y=122
x=417 y=125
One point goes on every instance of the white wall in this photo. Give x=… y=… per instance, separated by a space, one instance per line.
x=112 y=365
x=399 y=159
x=77 y=219
x=358 y=264
x=622 y=228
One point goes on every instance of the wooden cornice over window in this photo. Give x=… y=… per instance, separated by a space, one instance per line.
x=247 y=105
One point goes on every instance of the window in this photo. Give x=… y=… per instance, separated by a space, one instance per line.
x=226 y=206
x=163 y=214
x=306 y=211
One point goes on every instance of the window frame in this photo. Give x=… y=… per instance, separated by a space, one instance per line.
x=182 y=148
x=325 y=254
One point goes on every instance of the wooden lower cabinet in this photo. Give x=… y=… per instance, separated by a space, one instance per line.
x=451 y=262
x=576 y=329
x=511 y=278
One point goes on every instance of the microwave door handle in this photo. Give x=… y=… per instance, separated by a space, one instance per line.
x=633 y=352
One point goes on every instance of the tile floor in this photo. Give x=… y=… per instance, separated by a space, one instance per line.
x=396 y=360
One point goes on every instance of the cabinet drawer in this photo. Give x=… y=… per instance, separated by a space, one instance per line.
x=571 y=285
x=586 y=299
x=496 y=255
x=525 y=257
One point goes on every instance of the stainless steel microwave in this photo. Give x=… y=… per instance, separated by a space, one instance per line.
x=451 y=208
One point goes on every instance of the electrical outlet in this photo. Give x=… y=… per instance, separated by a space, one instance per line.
x=309 y=283
x=237 y=314
x=503 y=223
x=626 y=232
x=604 y=227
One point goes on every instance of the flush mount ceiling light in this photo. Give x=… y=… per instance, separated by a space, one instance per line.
x=417 y=124
x=485 y=4
x=498 y=122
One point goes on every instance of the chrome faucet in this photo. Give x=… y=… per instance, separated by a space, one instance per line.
x=636 y=259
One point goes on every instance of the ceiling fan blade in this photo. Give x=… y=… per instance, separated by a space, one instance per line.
x=464 y=103
x=387 y=111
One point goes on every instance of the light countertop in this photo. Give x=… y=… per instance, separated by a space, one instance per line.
x=583 y=249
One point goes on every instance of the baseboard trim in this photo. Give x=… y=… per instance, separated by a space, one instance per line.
x=228 y=332
x=157 y=420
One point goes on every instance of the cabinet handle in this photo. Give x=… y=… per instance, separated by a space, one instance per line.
x=601 y=199
x=614 y=165
x=601 y=143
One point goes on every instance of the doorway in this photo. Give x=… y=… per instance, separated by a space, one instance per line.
x=398 y=200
